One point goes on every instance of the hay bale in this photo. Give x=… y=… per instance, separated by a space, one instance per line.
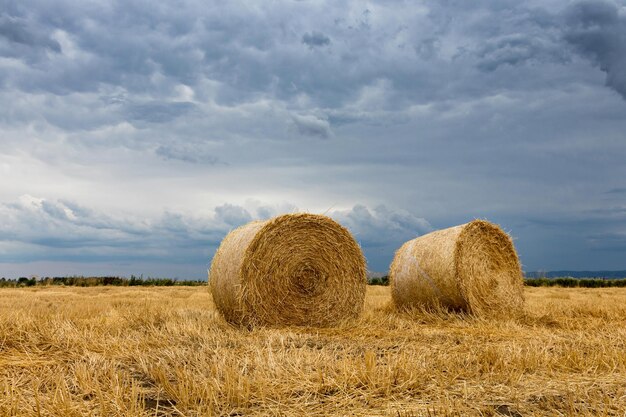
x=294 y=269
x=472 y=268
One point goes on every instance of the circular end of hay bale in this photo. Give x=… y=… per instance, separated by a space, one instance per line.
x=488 y=270
x=295 y=269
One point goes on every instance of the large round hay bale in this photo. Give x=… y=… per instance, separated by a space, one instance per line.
x=295 y=269
x=472 y=268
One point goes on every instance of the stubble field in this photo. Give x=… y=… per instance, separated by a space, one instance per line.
x=113 y=351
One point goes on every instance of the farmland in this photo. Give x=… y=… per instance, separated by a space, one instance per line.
x=147 y=351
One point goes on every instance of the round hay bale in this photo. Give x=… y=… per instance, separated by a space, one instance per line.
x=472 y=268
x=294 y=269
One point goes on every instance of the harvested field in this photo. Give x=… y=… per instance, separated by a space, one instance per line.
x=165 y=351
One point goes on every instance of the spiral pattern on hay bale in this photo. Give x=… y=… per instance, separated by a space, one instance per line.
x=472 y=267
x=294 y=269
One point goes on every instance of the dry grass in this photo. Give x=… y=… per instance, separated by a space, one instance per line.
x=165 y=351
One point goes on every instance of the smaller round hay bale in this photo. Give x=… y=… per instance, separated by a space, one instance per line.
x=294 y=269
x=471 y=267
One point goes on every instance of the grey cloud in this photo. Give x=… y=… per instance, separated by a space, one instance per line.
x=310 y=125
x=616 y=191
x=264 y=212
x=381 y=225
x=18 y=31
x=76 y=209
x=381 y=231
x=428 y=48
x=593 y=13
x=63 y=230
x=519 y=49
x=612 y=242
x=188 y=154
x=315 y=39
x=598 y=31
x=232 y=215
x=247 y=55
x=45 y=223
x=57 y=211
x=159 y=112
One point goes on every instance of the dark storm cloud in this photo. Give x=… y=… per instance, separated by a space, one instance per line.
x=250 y=52
x=517 y=50
x=19 y=31
x=580 y=238
x=314 y=39
x=613 y=242
x=158 y=112
x=597 y=30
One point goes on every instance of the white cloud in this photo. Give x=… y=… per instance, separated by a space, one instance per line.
x=309 y=125
x=382 y=226
x=41 y=230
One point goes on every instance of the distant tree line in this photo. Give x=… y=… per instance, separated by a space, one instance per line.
x=81 y=281
x=576 y=274
x=545 y=282
x=575 y=282
x=384 y=280
x=138 y=281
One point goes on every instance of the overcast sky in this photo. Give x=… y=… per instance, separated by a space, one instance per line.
x=135 y=134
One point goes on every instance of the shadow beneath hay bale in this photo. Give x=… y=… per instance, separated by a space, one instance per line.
x=507 y=410
x=429 y=313
x=159 y=406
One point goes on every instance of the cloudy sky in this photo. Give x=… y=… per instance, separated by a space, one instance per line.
x=135 y=134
